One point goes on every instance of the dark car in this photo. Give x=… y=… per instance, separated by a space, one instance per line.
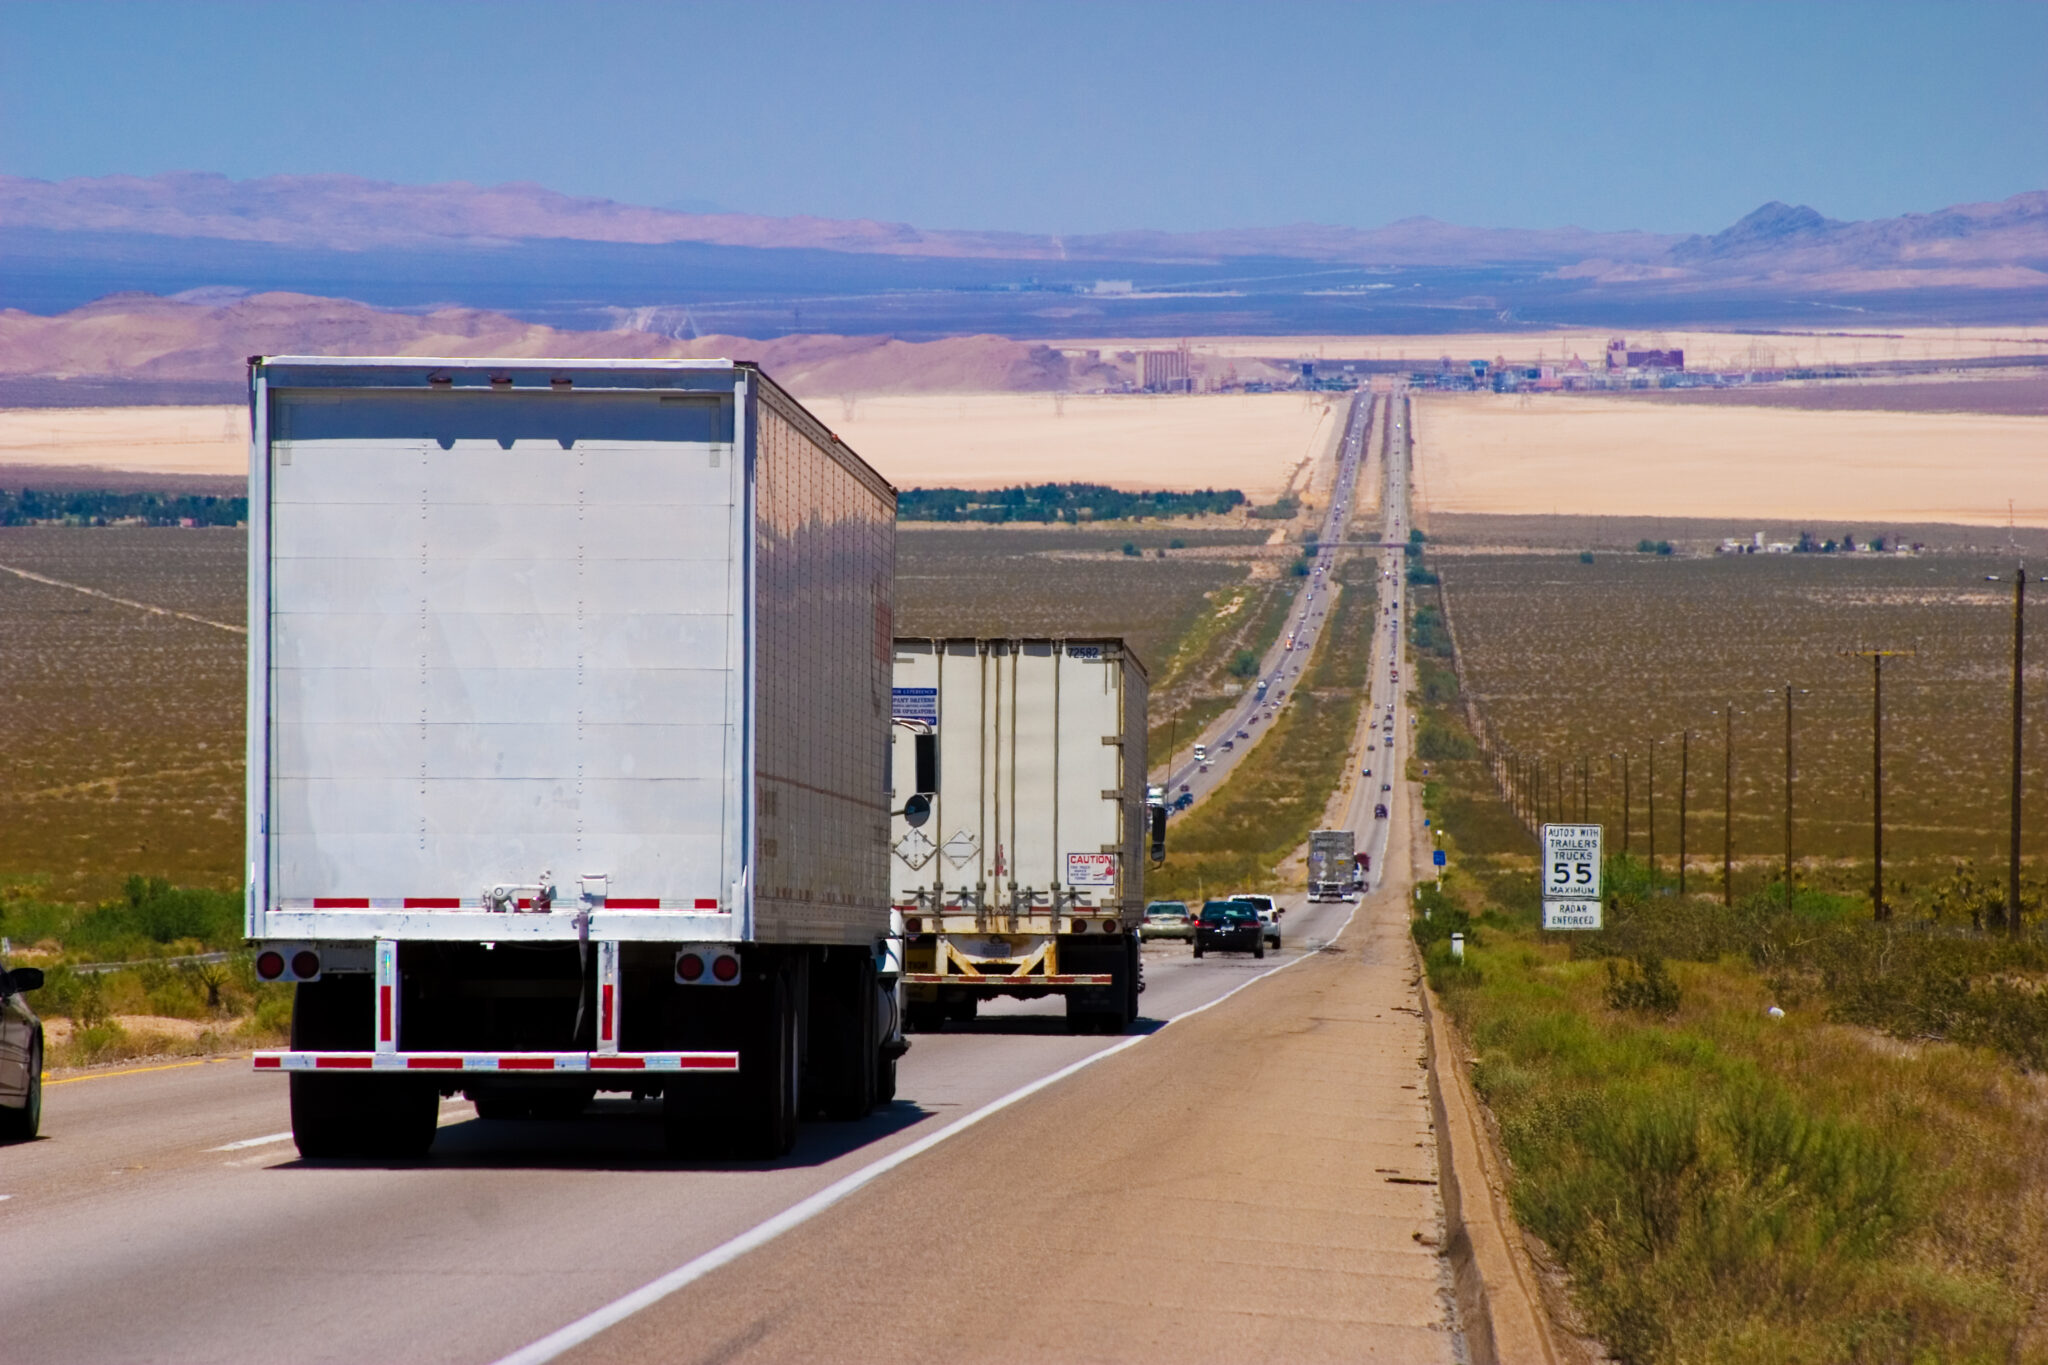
x=21 y=1056
x=1230 y=927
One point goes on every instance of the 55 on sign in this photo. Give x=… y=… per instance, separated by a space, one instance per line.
x=1571 y=876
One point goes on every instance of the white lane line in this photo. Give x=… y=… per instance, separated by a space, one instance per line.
x=797 y=1214
x=246 y=1143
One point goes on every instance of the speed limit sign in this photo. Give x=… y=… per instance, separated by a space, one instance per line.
x=1571 y=870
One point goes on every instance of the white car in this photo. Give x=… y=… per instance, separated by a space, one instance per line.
x=1269 y=915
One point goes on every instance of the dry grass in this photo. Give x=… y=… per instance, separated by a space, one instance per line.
x=122 y=733
x=1720 y=1185
x=1576 y=455
x=1568 y=659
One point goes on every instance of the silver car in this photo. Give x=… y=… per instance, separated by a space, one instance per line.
x=1166 y=919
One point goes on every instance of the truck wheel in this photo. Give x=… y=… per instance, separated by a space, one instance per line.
x=1136 y=965
x=964 y=1009
x=885 y=1080
x=501 y=1105
x=398 y=1115
x=764 y=1117
x=839 y=1080
x=924 y=1016
x=560 y=1102
x=330 y=1014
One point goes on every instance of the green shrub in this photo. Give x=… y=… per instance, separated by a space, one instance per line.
x=1644 y=985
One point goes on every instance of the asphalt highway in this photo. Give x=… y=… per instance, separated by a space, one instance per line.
x=1264 y=1134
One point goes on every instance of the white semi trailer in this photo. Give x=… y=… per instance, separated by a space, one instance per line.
x=1018 y=843
x=568 y=688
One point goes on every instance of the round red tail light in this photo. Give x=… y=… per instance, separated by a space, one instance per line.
x=913 y=925
x=690 y=966
x=270 y=965
x=1080 y=926
x=725 y=967
x=305 y=964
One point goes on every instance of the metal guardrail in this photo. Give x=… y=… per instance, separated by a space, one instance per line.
x=189 y=960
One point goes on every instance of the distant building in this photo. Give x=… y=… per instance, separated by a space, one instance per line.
x=1621 y=357
x=1164 y=372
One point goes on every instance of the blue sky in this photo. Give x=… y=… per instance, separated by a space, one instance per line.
x=1065 y=117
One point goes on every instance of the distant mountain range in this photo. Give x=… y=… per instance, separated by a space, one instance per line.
x=348 y=213
x=132 y=348
x=586 y=264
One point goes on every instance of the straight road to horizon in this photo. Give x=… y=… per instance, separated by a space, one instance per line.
x=1282 y=663
x=1256 y=1181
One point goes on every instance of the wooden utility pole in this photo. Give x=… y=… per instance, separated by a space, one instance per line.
x=1684 y=781
x=1728 y=805
x=1653 y=816
x=2019 y=659
x=1585 y=790
x=1877 y=657
x=1627 y=803
x=1788 y=796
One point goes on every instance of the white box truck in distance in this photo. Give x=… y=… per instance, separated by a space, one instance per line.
x=1332 y=865
x=1018 y=843
x=568 y=687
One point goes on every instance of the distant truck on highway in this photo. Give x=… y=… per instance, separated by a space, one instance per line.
x=1017 y=846
x=567 y=698
x=1332 y=869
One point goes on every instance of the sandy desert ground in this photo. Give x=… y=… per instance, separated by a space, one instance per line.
x=1703 y=350
x=1255 y=442
x=1594 y=456
x=199 y=440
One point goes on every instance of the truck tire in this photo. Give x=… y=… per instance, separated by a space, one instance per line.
x=1137 y=978
x=839 y=1075
x=924 y=1016
x=353 y=1116
x=885 y=1079
x=763 y=1119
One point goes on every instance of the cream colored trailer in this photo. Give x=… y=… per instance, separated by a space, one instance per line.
x=1018 y=839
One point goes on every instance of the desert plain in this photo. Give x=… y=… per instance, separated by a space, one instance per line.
x=1586 y=456
x=1748 y=454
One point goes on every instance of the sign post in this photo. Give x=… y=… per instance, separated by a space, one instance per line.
x=1571 y=876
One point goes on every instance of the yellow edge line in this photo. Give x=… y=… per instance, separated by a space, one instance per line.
x=133 y=1071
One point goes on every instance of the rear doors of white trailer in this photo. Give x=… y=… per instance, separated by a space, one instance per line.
x=500 y=640
x=1037 y=791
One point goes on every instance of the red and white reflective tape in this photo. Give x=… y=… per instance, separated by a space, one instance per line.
x=497 y=1061
x=699 y=904
x=962 y=979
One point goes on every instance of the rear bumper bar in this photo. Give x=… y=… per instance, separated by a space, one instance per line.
x=1010 y=982
x=470 y=1063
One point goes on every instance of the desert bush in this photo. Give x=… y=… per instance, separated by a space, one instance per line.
x=1643 y=984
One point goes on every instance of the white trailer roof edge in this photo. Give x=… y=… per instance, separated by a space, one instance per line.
x=1117 y=642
